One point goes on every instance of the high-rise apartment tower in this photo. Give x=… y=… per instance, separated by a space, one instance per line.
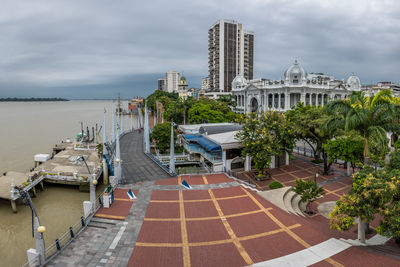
x=230 y=53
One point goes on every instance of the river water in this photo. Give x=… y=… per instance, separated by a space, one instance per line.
x=32 y=128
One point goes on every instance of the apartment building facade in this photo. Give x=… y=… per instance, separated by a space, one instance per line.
x=230 y=53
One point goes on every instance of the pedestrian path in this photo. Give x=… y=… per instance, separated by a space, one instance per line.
x=308 y=256
x=136 y=166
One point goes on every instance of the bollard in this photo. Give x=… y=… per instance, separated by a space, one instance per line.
x=82 y=221
x=71 y=232
x=58 y=245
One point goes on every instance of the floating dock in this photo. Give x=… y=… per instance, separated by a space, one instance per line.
x=65 y=167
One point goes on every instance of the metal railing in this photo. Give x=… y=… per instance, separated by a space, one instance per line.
x=73 y=231
x=305 y=151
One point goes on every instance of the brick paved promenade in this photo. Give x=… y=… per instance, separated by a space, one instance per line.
x=216 y=223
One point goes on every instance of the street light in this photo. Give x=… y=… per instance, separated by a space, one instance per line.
x=315 y=177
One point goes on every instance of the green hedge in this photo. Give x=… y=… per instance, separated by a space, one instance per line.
x=275 y=185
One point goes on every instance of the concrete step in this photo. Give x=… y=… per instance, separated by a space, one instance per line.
x=287 y=201
x=296 y=205
x=276 y=196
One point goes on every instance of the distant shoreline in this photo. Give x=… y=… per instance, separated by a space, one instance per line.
x=32 y=99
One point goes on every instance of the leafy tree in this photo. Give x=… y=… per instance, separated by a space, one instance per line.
x=371 y=117
x=308 y=191
x=348 y=148
x=161 y=96
x=372 y=192
x=378 y=153
x=228 y=99
x=307 y=122
x=161 y=135
x=264 y=136
x=210 y=111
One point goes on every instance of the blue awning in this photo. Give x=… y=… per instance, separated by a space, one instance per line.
x=206 y=143
x=191 y=137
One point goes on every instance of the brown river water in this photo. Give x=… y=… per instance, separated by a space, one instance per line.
x=33 y=128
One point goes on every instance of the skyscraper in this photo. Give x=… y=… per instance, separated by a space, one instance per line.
x=172 y=81
x=230 y=53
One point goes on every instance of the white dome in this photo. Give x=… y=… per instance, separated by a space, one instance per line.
x=295 y=73
x=353 y=83
x=239 y=82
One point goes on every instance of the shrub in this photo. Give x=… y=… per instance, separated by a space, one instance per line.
x=275 y=185
x=308 y=190
x=394 y=162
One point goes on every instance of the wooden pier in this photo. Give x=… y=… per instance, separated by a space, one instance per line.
x=65 y=167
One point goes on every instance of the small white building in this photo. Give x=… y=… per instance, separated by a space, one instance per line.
x=216 y=145
x=312 y=89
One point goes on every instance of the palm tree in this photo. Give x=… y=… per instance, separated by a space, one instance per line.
x=372 y=117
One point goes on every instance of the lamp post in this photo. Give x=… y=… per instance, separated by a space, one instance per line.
x=92 y=183
x=37 y=229
x=118 y=162
x=172 y=152
x=315 y=177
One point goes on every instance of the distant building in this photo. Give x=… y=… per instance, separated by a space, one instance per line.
x=172 y=81
x=374 y=89
x=162 y=84
x=311 y=89
x=230 y=53
x=205 y=84
x=183 y=86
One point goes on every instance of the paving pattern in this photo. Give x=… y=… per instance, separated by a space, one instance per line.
x=136 y=166
x=214 y=227
x=119 y=209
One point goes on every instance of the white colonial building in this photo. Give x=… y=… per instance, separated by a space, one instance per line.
x=311 y=89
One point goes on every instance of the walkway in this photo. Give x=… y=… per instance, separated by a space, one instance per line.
x=136 y=166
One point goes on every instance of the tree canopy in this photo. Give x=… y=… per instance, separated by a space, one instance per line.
x=371 y=117
x=265 y=135
x=373 y=192
x=161 y=135
x=210 y=111
x=307 y=122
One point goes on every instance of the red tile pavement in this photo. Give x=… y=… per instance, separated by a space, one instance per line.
x=237 y=205
x=162 y=210
x=119 y=209
x=252 y=224
x=270 y=247
x=218 y=178
x=168 y=181
x=160 y=232
x=165 y=195
x=202 y=231
x=156 y=257
x=194 y=179
x=355 y=256
x=200 y=209
x=216 y=255
x=195 y=194
x=228 y=192
x=218 y=249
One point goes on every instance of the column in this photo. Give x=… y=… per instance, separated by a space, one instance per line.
x=279 y=101
x=303 y=98
x=287 y=99
x=247 y=163
x=273 y=101
x=223 y=160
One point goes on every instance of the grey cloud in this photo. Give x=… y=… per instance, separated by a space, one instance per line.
x=128 y=44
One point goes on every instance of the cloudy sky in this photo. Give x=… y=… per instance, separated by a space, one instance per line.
x=95 y=48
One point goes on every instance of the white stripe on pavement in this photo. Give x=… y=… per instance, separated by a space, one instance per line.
x=309 y=255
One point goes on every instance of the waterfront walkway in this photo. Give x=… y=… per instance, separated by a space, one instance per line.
x=136 y=166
